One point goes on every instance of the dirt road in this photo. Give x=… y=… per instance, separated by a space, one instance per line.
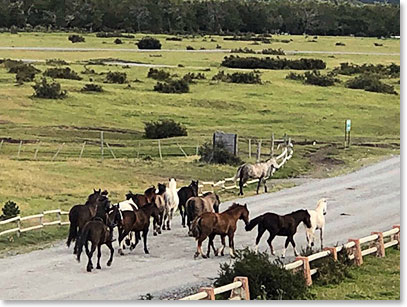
x=370 y=197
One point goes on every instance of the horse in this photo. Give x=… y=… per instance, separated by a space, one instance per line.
x=209 y=202
x=171 y=203
x=279 y=225
x=142 y=199
x=260 y=170
x=184 y=194
x=96 y=205
x=210 y=224
x=98 y=233
x=138 y=220
x=160 y=203
x=317 y=222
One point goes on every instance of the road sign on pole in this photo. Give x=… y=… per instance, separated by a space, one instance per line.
x=348 y=124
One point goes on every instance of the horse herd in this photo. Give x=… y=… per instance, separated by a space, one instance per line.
x=95 y=221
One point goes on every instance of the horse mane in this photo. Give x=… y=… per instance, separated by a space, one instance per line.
x=206 y=194
x=233 y=206
x=321 y=201
x=150 y=190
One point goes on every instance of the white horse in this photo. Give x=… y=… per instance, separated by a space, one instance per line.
x=171 y=203
x=317 y=222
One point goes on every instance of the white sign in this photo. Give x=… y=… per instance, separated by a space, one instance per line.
x=348 y=124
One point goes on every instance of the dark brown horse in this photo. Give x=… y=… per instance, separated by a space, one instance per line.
x=210 y=224
x=209 y=202
x=184 y=194
x=160 y=203
x=96 y=205
x=279 y=225
x=98 y=233
x=142 y=199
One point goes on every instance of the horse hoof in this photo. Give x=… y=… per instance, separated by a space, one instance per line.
x=89 y=269
x=109 y=263
x=312 y=244
x=204 y=256
x=146 y=251
x=154 y=234
x=98 y=267
x=184 y=226
x=196 y=255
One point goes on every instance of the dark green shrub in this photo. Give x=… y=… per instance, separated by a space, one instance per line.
x=370 y=83
x=190 y=77
x=272 y=51
x=272 y=63
x=55 y=62
x=113 y=34
x=243 y=50
x=164 y=129
x=88 y=71
x=339 y=44
x=267 y=280
x=190 y=48
x=62 y=73
x=295 y=76
x=118 y=41
x=316 y=78
x=17 y=66
x=217 y=154
x=10 y=210
x=92 y=87
x=26 y=75
x=174 y=38
x=378 y=44
x=172 y=86
x=74 y=38
x=238 y=77
x=392 y=70
x=116 y=77
x=43 y=89
x=149 y=42
x=13 y=30
x=158 y=74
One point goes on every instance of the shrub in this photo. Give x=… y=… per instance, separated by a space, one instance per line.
x=26 y=75
x=62 y=73
x=88 y=71
x=172 y=86
x=43 y=89
x=55 y=62
x=217 y=154
x=74 y=38
x=10 y=210
x=243 y=50
x=158 y=74
x=370 y=83
x=316 y=78
x=189 y=77
x=149 y=42
x=174 y=38
x=339 y=44
x=118 y=41
x=13 y=30
x=295 y=76
x=190 y=48
x=92 y=87
x=267 y=280
x=392 y=70
x=272 y=51
x=17 y=66
x=238 y=77
x=116 y=77
x=272 y=63
x=378 y=44
x=113 y=34
x=164 y=129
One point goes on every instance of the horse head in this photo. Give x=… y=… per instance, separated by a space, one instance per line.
x=194 y=186
x=244 y=215
x=161 y=188
x=129 y=195
x=150 y=194
x=322 y=203
x=114 y=216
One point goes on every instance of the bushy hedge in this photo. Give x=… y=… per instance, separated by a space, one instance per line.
x=118 y=41
x=272 y=51
x=55 y=62
x=113 y=34
x=272 y=63
x=267 y=280
x=174 y=38
x=243 y=50
x=43 y=89
x=24 y=72
x=370 y=83
x=158 y=74
x=164 y=129
x=392 y=70
x=149 y=42
x=74 y=38
x=172 y=86
x=190 y=77
x=92 y=87
x=217 y=154
x=316 y=78
x=62 y=73
x=10 y=210
x=295 y=76
x=116 y=77
x=238 y=77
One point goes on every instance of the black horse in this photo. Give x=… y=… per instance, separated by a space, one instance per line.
x=279 y=225
x=184 y=194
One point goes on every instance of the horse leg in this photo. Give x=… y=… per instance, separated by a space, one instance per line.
x=222 y=248
x=210 y=243
x=165 y=217
x=258 y=185
x=231 y=246
x=99 y=255
x=199 y=247
x=90 y=265
x=182 y=213
x=170 y=218
x=110 y=246
x=122 y=235
x=285 y=247
x=260 y=231
x=293 y=244
x=321 y=237
x=269 y=241
x=265 y=185
x=241 y=183
x=145 y=232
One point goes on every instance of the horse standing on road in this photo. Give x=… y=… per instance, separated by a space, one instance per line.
x=260 y=170
x=209 y=202
x=184 y=194
x=279 y=225
x=171 y=203
x=317 y=222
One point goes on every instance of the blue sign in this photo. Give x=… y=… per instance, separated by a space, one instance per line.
x=348 y=124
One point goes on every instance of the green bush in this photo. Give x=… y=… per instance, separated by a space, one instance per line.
x=116 y=77
x=113 y=34
x=118 y=41
x=74 y=38
x=13 y=30
x=370 y=83
x=43 y=89
x=267 y=280
x=243 y=50
x=158 y=74
x=316 y=78
x=24 y=72
x=164 y=129
x=190 y=77
x=392 y=70
x=174 y=38
x=190 y=48
x=217 y=154
x=238 y=77
x=172 y=86
x=149 y=42
x=295 y=76
x=62 y=73
x=10 y=210
x=272 y=51
x=92 y=87
x=55 y=62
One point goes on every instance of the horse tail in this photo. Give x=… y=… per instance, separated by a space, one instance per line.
x=253 y=223
x=83 y=238
x=239 y=170
x=73 y=227
x=196 y=228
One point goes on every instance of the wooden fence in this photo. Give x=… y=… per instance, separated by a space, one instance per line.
x=355 y=252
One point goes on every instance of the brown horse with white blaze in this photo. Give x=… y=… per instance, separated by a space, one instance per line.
x=210 y=224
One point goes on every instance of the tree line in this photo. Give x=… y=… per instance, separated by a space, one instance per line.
x=329 y=17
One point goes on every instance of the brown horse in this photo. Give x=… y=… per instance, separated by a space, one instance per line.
x=210 y=224
x=142 y=199
x=195 y=206
x=96 y=205
x=160 y=203
x=184 y=194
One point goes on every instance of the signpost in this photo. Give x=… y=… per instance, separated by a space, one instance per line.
x=348 y=124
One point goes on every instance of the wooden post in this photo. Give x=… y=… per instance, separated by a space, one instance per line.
x=41 y=223
x=357 y=252
x=397 y=235
x=333 y=251
x=19 y=227
x=182 y=150
x=197 y=149
x=111 y=151
x=36 y=150
x=258 y=157
x=1 y=144
x=59 y=149
x=159 y=149
x=101 y=145
x=380 y=244
x=306 y=269
x=272 y=146
x=243 y=291
x=210 y=291
x=138 y=150
x=82 y=149
x=19 y=149
x=250 y=148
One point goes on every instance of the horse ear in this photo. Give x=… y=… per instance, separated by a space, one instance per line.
x=94 y=191
x=245 y=205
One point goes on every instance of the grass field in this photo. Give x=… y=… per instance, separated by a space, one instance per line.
x=362 y=286
x=306 y=113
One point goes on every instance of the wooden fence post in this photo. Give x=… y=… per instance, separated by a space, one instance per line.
x=159 y=149
x=138 y=150
x=242 y=292
x=1 y=144
x=82 y=149
x=306 y=269
x=197 y=149
x=333 y=251
x=250 y=148
x=379 y=244
x=101 y=145
x=36 y=150
x=19 y=149
x=210 y=291
x=182 y=150
x=59 y=149
x=272 y=146
x=19 y=227
x=258 y=157
x=357 y=252
x=111 y=151
x=397 y=235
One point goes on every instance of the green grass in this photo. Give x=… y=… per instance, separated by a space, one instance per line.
x=376 y=279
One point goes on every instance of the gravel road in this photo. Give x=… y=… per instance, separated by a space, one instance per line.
x=370 y=197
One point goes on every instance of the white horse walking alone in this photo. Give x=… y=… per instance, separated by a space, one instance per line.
x=317 y=222
x=171 y=203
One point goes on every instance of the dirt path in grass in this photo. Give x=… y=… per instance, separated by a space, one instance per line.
x=370 y=198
